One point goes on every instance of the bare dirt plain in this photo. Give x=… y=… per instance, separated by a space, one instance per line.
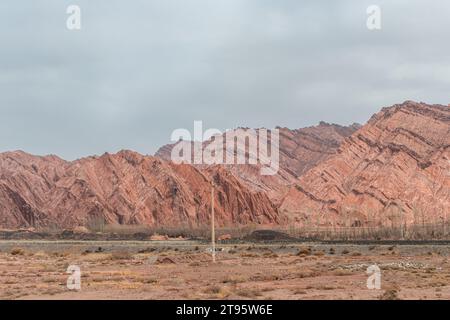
x=184 y=270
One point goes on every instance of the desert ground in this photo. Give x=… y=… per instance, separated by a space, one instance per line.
x=184 y=270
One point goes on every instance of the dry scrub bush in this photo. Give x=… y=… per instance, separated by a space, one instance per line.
x=126 y=229
x=304 y=251
x=248 y=293
x=391 y=294
x=121 y=255
x=17 y=252
x=234 y=279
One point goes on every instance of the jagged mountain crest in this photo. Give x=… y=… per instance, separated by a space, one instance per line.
x=394 y=169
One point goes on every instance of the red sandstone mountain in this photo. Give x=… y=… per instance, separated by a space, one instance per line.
x=300 y=150
x=395 y=169
x=128 y=188
x=124 y=188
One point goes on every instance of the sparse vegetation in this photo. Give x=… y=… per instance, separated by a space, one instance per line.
x=121 y=255
x=304 y=251
x=248 y=293
x=368 y=230
x=17 y=252
x=391 y=294
x=234 y=279
x=178 y=271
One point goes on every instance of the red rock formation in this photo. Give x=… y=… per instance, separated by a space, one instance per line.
x=24 y=185
x=125 y=188
x=300 y=150
x=395 y=169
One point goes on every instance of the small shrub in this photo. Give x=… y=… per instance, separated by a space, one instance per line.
x=150 y=281
x=121 y=255
x=234 y=279
x=390 y=294
x=319 y=253
x=299 y=291
x=195 y=264
x=304 y=251
x=270 y=254
x=17 y=252
x=248 y=293
x=212 y=290
x=341 y=273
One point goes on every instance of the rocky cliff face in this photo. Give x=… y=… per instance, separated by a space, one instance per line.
x=299 y=151
x=302 y=149
x=124 y=188
x=394 y=170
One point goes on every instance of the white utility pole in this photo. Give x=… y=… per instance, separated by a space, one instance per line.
x=445 y=224
x=213 y=232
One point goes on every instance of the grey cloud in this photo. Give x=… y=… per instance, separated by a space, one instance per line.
x=140 y=69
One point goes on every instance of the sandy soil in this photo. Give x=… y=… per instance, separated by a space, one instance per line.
x=184 y=270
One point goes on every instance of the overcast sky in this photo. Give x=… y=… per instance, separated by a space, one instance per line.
x=137 y=70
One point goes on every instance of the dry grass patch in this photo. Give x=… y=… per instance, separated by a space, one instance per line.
x=341 y=272
x=319 y=253
x=270 y=254
x=325 y=287
x=17 y=252
x=390 y=294
x=212 y=290
x=121 y=255
x=306 y=274
x=299 y=291
x=248 y=292
x=234 y=279
x=304 y=251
